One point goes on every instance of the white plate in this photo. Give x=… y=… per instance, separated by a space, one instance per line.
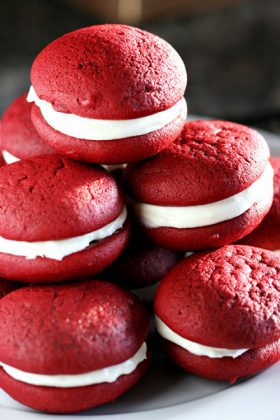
x=167 y=393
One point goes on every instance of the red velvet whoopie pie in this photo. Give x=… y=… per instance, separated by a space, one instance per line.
x=91 y=347
x=59 y=220
x=108 y=94
x=219 y=312
x=209 y=188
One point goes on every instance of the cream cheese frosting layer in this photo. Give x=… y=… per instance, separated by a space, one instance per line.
x=188 y=254
x=111 y=168
x=9 y=158
x=109 y=374
x=153 y=216
x=58 y=249
x=99 y=129
x=195 y=348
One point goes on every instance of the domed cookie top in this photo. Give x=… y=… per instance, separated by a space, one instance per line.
x=228 y=298
x=109 y=72
x=51 y=197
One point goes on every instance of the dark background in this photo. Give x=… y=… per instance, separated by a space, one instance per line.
x=231 y=48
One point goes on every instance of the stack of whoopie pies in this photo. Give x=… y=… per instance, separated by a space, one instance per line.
x=74 y=236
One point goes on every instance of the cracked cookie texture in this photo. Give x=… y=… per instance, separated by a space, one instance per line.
x=197 y=167
x=51 y=197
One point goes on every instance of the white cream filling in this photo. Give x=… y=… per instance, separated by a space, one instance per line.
x=195 y=348
x=153 y=216
x=9 y=158
x=276 y=251
x=58 y=249
x=188 y=254
x=111 y=168
x=109 y=374
x=99 y=129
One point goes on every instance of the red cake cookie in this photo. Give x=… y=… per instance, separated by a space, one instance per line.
x=209 y=188
x=109 y=94
x=267 y=235
x=91 y=347
x=19 y=138
x=144 y=266
x=219 y=312
x=59 y=220
x=142 y=263
x=141 y=266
